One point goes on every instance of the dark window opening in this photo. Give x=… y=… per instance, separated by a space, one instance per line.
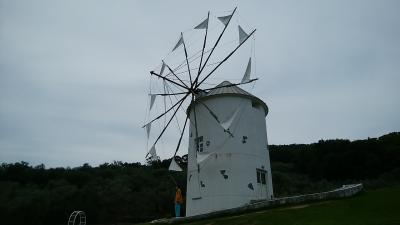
x=263 y=181
x=261 y=176
x=199 y=144
x=256 y=105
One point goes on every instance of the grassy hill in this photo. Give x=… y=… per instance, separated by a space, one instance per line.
x=378 y=207
x=127 y=193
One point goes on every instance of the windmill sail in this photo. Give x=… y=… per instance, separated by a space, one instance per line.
x=202 y=25
x=153 y=152
x=225 y=19
x=174 y=166
x=201 y=157
x=242 y=35
x=246 y=76
x=148 y=128
x=162 y=68
x=152 y=99
x=228 y=123
x=180 y=42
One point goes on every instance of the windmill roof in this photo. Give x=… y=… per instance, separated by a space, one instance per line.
x=224 y=88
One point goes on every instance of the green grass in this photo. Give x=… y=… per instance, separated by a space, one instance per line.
x=379 y=207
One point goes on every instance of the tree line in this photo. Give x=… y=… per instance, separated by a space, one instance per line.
x=120 y=192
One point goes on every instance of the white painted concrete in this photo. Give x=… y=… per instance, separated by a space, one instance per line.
x=219 y=176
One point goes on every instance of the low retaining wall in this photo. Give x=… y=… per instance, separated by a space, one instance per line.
x=342 y=192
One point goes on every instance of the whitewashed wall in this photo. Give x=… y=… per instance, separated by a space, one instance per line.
x=208 y=188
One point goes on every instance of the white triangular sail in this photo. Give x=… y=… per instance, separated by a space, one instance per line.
x=202 y=25
x=153 y=152
x=148 y=128
x=202 y=157
x=225 y=19
x=162 y=68
x=174 y=166
x=180 y=42
x=152 y=99
x=228 y=123
x=242 y=34
x=246 y=76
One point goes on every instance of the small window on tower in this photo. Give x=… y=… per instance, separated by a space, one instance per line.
x=261 y=176
x=263 y=181
x=199 y=143
x=254 y=104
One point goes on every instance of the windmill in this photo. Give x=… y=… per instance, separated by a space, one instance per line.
x=228 y=159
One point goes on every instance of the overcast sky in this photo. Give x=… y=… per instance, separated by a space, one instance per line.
x=74 y=75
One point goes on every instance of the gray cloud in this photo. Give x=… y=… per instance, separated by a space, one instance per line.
x=74 y=74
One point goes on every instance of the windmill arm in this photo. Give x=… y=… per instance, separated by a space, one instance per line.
x=215 y=45
x=210 y=111
x=226 y=58
x=180 y=138
x=216 y=118
x=164 y=78
x=187 y=62
x=202 y=50
x=195 y=125
x=170 y=70
x=169 y=121
x=158 y=117
x=168 y=94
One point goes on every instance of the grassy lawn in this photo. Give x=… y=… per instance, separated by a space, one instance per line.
x=380 y=207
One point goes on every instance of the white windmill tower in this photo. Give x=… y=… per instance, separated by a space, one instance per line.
x=228 y=161
x=228 y=158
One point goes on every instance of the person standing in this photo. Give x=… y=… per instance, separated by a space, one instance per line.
x=178 y=201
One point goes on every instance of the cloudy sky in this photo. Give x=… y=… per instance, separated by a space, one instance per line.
x=74 y=75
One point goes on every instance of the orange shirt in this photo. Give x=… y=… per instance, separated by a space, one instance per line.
x=178 y=196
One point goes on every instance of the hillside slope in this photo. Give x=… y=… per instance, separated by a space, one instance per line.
x=378 y=207
x=126 y=193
